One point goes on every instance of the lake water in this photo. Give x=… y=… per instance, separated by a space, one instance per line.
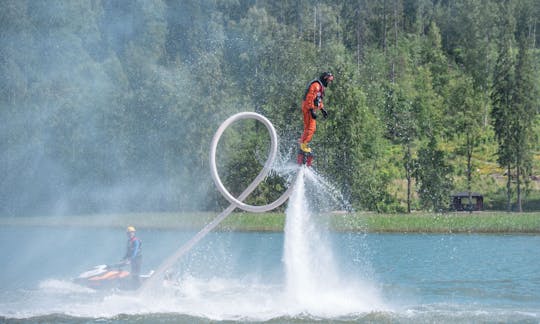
x=304 y=274
x=234 y=276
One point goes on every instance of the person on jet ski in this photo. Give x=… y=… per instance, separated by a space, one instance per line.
x=133 y=255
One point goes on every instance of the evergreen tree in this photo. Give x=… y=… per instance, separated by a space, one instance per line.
x=525 y=112
x=502 y=98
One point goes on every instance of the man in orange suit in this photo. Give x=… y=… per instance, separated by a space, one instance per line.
x=311 y=104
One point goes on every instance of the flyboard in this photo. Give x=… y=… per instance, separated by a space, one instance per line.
x=304 y=158
x=162 y=270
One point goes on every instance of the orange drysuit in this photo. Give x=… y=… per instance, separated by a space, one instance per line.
x=312 y=100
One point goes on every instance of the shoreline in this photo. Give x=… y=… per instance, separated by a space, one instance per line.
x=477 y=222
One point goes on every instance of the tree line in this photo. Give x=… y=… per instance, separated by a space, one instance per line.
x=111 y=105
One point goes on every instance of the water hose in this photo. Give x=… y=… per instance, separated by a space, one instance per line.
x=235 y=202
x=262 y=175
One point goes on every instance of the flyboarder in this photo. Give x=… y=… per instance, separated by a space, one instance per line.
x=312 y=102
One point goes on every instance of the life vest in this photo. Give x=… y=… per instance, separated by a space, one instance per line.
x=134 y=250
x=309 y=86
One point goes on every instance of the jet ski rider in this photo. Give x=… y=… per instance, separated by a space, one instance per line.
x=133 y=255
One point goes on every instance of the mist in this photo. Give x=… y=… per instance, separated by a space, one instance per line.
x=97 y=112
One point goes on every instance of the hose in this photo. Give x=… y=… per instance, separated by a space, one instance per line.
x=235 y=202
x=262 y=175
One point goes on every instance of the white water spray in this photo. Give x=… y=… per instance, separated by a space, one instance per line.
x=308 y=263
x=313 y=283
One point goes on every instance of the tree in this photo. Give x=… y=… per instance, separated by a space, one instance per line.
x=402 y=129
x=502 y=97
x=352 y=145
x=464 y=118
x=525 y=113
x=433 y=174
x=434 y=58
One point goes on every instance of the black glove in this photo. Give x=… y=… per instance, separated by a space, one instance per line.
x=313 y=114
x=324 y=113
x=317 y=101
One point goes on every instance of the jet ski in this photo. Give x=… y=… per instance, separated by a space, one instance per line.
x=108 y=277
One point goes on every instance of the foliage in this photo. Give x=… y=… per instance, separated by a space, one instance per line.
x=110 y=106
x=434 y=177
x=481 y=222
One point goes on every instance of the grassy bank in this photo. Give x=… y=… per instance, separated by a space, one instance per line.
x=483 y=222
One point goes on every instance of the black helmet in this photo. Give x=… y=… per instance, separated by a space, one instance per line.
x=326 y=77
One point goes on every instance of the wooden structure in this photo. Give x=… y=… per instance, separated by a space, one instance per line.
x=460 y=201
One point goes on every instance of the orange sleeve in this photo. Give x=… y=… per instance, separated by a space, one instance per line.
x=313 y=92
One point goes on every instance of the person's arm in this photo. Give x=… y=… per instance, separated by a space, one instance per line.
x=312 y=94
x=318 y=102
x=135 y=249
x=313 y=98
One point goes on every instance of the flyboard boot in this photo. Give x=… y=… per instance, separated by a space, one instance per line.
x=304 y=155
